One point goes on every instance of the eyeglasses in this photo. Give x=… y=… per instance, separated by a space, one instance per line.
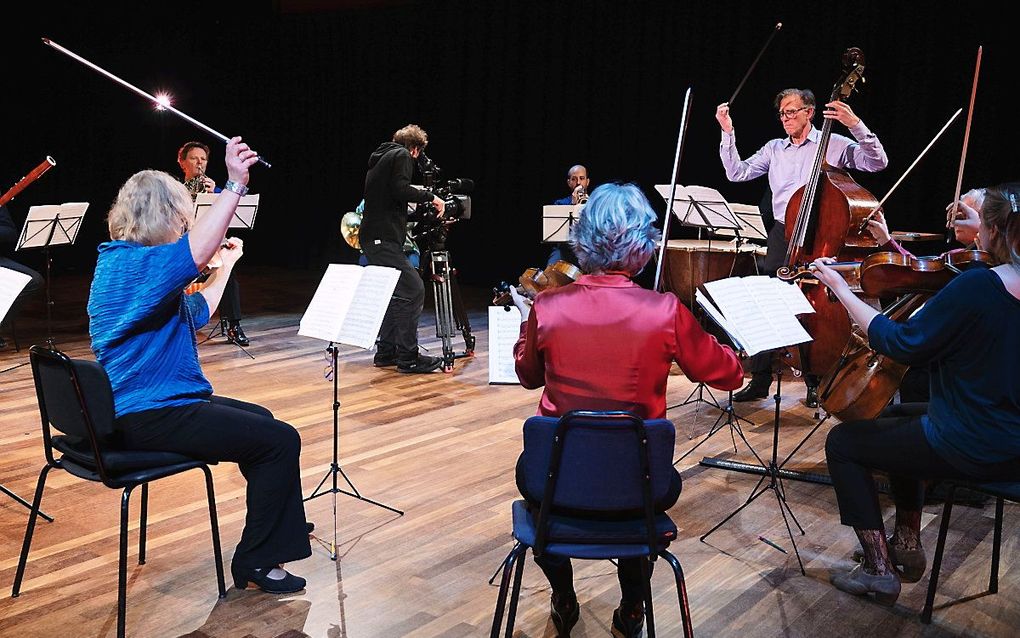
x=785 y=115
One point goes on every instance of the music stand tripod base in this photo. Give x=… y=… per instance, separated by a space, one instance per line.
x=334 y=467
x=774 y=485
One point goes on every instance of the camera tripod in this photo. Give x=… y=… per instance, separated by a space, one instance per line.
x=450 y=313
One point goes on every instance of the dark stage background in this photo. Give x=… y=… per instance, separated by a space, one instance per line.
x=511 y=93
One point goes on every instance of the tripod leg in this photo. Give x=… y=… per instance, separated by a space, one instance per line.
x=789 y=532
x=460 y=314
x=750 y=500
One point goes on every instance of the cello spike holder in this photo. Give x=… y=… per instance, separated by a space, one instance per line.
x=774 y=485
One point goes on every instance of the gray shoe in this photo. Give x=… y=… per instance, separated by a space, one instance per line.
x=909 y=563
x=859 y=583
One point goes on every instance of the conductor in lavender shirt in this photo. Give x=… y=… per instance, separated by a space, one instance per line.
x=788 y=162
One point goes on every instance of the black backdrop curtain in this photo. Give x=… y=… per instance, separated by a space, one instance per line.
x=511 y=93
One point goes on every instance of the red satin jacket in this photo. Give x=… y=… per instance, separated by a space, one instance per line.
x=605 y=343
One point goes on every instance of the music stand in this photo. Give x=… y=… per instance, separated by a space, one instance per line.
x=348 y=307
x=557 y=220
x=51 y=225
x=243 y=219
x=774 y=475
x=703 y=208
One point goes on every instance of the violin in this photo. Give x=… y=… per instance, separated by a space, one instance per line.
x=198 y=283
x=891 y=273
x=534 y=281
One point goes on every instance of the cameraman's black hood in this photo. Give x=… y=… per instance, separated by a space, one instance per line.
x=383 y=149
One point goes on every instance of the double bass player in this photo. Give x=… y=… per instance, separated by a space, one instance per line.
x=788 y=163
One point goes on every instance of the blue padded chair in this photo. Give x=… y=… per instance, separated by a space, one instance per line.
x=602 y=463
x=75 y=398
x=1001 y=492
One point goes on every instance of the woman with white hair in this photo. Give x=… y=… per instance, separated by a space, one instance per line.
x=143 y=327
x=605 y=343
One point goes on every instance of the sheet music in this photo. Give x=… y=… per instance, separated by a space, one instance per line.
x=244 y=214
x=761 y=311
x=371 y=299
x=12 y=283
x=557 y=220
x=349 y=304
x=64 y=220
x=504 y=330
x=699 y=206
x=717 y=316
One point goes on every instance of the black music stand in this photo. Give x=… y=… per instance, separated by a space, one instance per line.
x=705 y=209
x=348 y=307
x=52 y=225
x=242 y=219
x=775 y=482
x=19 y=281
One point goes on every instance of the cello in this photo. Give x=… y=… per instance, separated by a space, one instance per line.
x=824 y=218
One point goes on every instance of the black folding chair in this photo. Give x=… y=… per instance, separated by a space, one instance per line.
x=75 y=398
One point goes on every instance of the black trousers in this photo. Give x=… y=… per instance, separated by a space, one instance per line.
x=893 y=443
x=230 y=302
x=267 y=453
x=399 y=331
x=33 y=286
x=628 y=570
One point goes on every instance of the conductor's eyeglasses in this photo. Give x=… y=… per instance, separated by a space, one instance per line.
x=787 y=114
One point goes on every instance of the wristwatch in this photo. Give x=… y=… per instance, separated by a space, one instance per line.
x=236 y=187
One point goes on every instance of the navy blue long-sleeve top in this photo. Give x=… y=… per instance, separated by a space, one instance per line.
x=969 y=336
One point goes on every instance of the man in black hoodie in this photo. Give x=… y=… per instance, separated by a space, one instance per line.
x=383 y=229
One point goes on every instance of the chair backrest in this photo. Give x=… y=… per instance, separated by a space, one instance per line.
x=75 y=397
x=601 y=462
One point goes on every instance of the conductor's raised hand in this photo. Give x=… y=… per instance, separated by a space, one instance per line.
x=239 y=157
x=722 y=115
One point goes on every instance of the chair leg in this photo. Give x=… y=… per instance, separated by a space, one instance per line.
x=993 y=578
x=214 y=524
x=936 y=565
x=142 y=523
x=29 y=530
x=500 y=568
x=646 y=583
x=504 y=585
x=681 y=593
x=515 y=597
x=122 y=564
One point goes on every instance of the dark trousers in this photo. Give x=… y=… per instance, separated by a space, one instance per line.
x=628 y=570
x=265 y=450
x=33 y=286
x=399 y=331
x=895 y=444
x=230 y=302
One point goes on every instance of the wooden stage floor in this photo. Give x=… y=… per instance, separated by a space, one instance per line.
x=441 y=447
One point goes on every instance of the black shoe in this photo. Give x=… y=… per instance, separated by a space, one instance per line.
x=811 y=398
x=309 y=527
x=235 y=334
x=756 y=389
x=422 y=364
x=382 y=360
x=628 y=624
x=565 y=614
x=243 y=576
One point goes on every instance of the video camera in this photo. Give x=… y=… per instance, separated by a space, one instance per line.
x=429 y=228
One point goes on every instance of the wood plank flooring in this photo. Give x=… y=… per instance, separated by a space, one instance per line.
x=441 y=447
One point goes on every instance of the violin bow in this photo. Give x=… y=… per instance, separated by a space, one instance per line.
x=775 y=30
x=156 y=102
x=951 y=215
x=672 y=192
x=878 y=207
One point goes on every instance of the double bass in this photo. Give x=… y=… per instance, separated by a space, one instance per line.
x=824 y=219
